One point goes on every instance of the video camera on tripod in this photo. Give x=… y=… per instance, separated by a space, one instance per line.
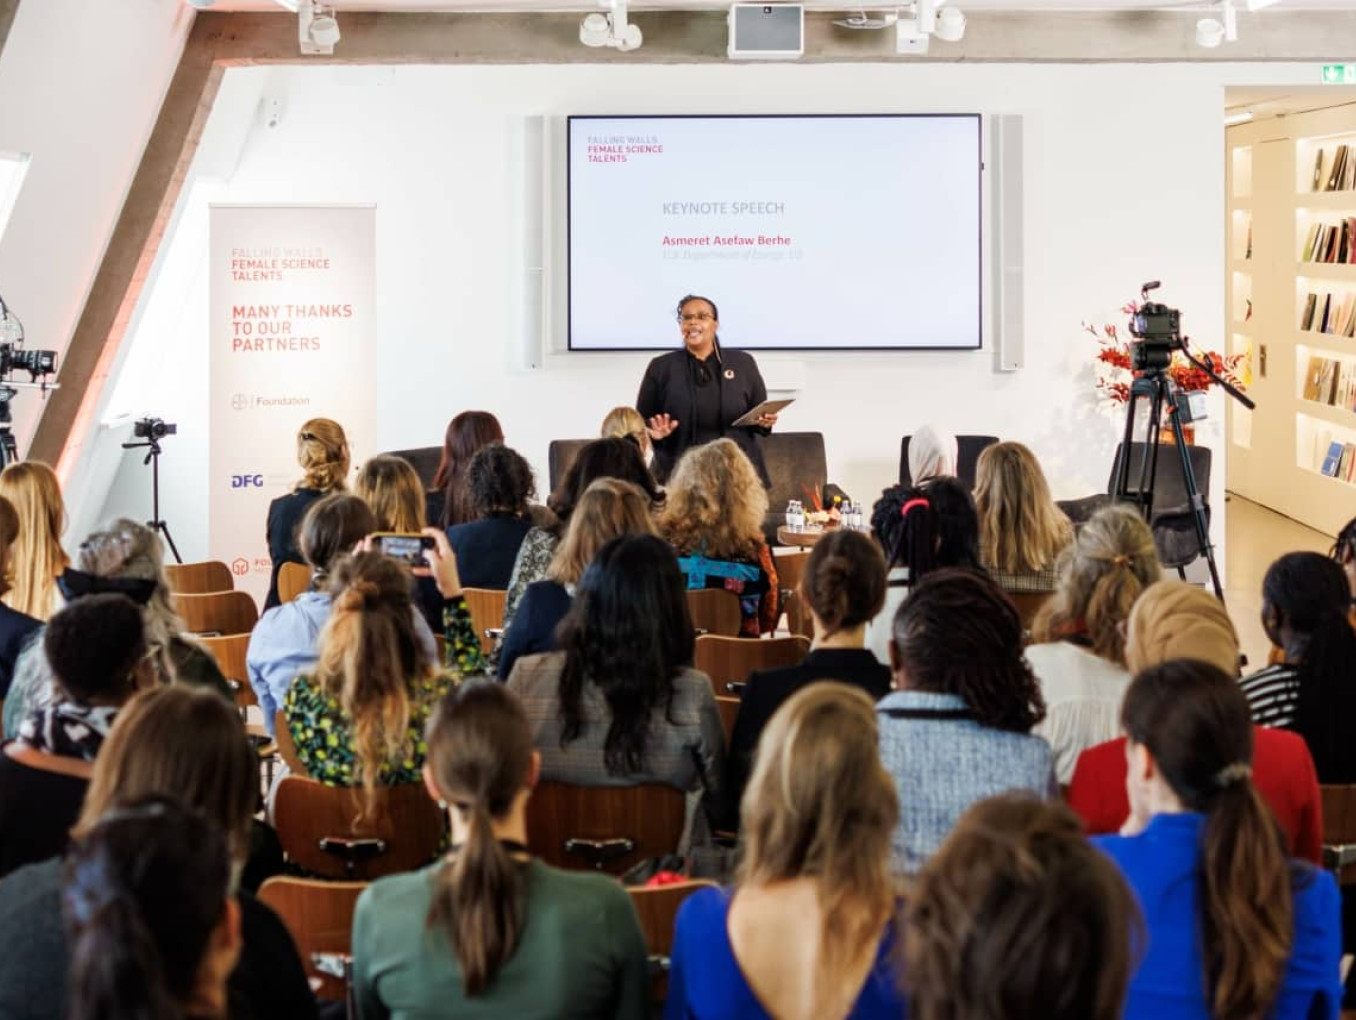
x=14 y=357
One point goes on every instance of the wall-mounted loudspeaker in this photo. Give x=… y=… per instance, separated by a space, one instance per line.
x=1008 y=263
x=767 y=31
x=534 y=305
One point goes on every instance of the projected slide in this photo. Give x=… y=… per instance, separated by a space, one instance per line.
x=808 y=232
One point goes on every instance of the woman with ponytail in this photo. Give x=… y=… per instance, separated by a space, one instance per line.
x=489 y=931
x=1079 y=650
x=152 y=921
x=920 y=528
x=1235 y=931
x=358 y=718
x=322 y=455
x=1305 y=598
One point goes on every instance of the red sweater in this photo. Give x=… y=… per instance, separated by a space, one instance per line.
x=1282 y=769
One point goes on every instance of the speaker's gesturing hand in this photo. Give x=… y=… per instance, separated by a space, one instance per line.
x=661 y=426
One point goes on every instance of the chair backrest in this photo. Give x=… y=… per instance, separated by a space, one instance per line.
x=1169 y=486
x=560 y=455
x=220 y=612
x=604 y=828
x=795 y=461
x=199 y=578
x=730 y=660
x=229 y=651
x=487 y=612
x=728 y=705
x=790 y=570
x=1028 y=604
x=293 y=579
x=968 y=449
x=424 y=460
x=657 y=909
x=319 y=917
x=1339 y=830
x=322 y=832
x=715 y=611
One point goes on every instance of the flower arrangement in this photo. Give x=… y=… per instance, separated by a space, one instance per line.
x=1114 y=372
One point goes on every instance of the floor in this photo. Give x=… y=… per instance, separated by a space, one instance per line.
x=1254 y=538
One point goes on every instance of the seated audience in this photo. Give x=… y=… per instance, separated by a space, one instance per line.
x=1017 y=917
x=322 y=454
x=620 y=703
x=358 y=718
x=16 y=628
x=626 y=423
x=489 y=931
x=1021 y=530
x=37 y=559
x=467 y=434
x=843 y=586
x=391 y=488
x=190 y=746
x=958 y=727
x=1176 y=620
x=153 y=927
x=932 y=454
x=1079 y=654
x=499 y=483
x=602 y=458
x=713 y=517
x=920 y=529
x=809 y=929
x=608 y=508
x=95 y=646
x=126 y=558
x=1305 y=598
x=1234 y=930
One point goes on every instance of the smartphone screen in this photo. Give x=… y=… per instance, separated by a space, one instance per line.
x=408 y=549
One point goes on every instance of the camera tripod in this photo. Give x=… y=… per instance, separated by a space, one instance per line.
x=9 y=449
x=1157 y=387
x=156 y=524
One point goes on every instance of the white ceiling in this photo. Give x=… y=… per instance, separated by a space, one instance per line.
x=430 y=6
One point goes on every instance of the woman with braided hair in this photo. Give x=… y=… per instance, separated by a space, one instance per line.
x=358 y=718
x=958 y=727
x=1079 y=635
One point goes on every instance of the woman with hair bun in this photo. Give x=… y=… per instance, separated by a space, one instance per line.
x=1234 y=929
x=490 y=931
x=322 y=454
x=1079 y=635
x=844 y=587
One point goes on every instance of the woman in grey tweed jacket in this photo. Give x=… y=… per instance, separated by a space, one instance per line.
x=958 y=727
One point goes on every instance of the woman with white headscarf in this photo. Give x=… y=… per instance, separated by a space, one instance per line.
x=932 y=454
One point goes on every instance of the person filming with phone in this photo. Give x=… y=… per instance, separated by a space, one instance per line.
x=695 y=395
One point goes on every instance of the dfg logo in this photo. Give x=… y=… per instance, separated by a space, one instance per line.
x=247 y=481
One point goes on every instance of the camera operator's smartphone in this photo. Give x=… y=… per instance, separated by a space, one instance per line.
x=408 y=549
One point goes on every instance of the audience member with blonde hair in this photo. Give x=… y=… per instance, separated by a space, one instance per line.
x=358 y=718
x=1079 y=654
x=1176 y=620
x=1017 y=917
x=125 y=558
x=626 y=423
x=1234 y=928
x=36 y=557
x=322 y=454
x=391 y=488
x=608 y=508
x=488 y=930
x=190 y=746
x=1021 y=530
x=16 y=628
x=809 y=929
x=713 y=517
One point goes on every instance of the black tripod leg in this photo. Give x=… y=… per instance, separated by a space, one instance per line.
x=1197 y=501
x=163 y=528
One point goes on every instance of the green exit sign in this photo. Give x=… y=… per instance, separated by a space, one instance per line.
x=1339 y=74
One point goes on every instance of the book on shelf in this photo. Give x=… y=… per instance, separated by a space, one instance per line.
x=1324 y=315
x=1318 y=171
x=1311 y=375
x=1332 y=460
x=1247 y=254
x=1339 y=166
x=1344 y=314
x=1307 y=317
x=1310 y=242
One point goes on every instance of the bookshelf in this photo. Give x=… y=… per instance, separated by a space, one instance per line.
x=1290 y=251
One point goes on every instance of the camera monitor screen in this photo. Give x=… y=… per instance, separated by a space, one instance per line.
x=809 y=232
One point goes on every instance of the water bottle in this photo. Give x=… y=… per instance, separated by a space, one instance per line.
x=795 y=517
x=857 y=522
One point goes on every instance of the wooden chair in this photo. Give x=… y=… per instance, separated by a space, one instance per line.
x=324 y=831
x=657 y=908
x=790 y=569
x=293 y=579
x=1028 y=604
x=217 y=613
x=199 y=578
x=1339 y=831
x=729 y=661
x=715 y=611
x=729 y=712
x=287 y=750
x=229 y=651
x=319 y=917
x=487 y=613
x=603 y=828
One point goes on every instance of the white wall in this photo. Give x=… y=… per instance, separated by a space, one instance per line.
x=1124 y=182
x=80 y=88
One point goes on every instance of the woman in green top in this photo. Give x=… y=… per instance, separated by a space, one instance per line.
x=358 y=718
x=489 y=932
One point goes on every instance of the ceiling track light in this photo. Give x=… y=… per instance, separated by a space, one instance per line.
x=317 y=28
x=921 y=20
x=610 y=29
x=1210 y=32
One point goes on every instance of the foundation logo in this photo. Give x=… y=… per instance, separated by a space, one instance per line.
x=239 y=402
x=249 y=401
x=240 y=566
